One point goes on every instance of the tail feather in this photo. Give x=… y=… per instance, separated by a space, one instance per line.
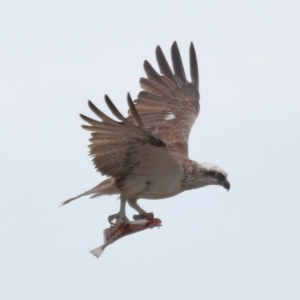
x=74 y=198
x=107 y=187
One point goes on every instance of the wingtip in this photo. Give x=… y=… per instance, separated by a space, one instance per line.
x=146 y=64
x=130 y=102
x=134 y=112
x=158 y=51
x=129 y=97
x=107 y=99
x=82 y=116
x=174 y=45
x=91 y=105
x=109 y=102
x=194 y=66
x=192 y=47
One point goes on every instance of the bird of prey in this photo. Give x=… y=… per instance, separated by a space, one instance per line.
x=145 y=155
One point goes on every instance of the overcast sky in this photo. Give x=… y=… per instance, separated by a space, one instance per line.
x=244 y=244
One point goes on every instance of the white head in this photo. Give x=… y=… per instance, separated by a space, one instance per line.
x=203 y=174
x=213 y=175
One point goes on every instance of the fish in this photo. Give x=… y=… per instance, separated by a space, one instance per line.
x=113 y=234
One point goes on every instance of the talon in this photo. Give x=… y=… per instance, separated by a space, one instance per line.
x=143 y=216
x=111 y=218
x=119 y=219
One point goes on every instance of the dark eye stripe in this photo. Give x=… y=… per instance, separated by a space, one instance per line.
x=220 y=176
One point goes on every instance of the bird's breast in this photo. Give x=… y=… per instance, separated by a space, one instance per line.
x=153 y=187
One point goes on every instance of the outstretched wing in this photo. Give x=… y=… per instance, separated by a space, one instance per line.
x=169 y=104
x=118 y=148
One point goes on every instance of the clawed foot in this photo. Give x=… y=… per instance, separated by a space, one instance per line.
x=119 y=219
x=143 y=216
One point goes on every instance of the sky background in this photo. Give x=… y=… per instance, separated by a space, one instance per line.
x=244 y=244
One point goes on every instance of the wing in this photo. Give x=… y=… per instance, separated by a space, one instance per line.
x=169 y=104
x=118 y=148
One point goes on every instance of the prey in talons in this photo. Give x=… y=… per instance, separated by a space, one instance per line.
x=113 y=234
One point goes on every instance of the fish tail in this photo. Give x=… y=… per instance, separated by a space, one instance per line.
x=97 y=251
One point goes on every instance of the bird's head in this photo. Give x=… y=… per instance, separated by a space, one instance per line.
x=209 y=174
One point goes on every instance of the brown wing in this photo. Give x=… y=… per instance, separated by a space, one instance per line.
x=169 y=104
x=118 y=148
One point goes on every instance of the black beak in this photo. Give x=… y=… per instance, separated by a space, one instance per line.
x=226 y=184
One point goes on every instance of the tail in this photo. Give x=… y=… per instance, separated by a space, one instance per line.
x=98 y=251
x=106 y=187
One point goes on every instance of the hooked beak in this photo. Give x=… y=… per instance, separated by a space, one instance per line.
x=226 y=185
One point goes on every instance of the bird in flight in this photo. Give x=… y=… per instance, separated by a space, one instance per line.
x=145 y=155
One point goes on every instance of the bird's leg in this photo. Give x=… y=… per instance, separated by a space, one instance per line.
x=142 y=214
x=120 y=216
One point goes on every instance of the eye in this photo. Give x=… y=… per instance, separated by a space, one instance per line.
x=220 y=176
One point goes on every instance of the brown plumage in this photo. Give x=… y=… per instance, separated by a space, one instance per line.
x=146 y=154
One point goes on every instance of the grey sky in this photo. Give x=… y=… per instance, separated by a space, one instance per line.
x=244 y=244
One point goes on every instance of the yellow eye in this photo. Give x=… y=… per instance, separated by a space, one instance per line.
x=220 y=176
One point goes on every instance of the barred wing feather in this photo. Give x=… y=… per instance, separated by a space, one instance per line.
x=169 y=104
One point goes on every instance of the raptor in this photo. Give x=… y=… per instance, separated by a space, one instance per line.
x=145 y=155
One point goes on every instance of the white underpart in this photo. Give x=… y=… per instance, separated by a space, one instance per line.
x=170 y=116
x=161 y=186
x=159 y=169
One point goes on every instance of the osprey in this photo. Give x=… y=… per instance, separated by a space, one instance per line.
x=145 y=155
